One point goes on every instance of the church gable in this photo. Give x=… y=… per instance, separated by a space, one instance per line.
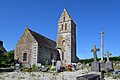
x=26 y=37
x=64 y=16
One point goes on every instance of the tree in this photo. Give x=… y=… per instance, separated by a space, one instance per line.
x=6 y=58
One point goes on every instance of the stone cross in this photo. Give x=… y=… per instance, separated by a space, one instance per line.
x=108 y=55
x=94 y=50
x=53 y=61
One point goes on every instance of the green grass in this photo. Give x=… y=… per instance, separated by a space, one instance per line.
x=116 y=67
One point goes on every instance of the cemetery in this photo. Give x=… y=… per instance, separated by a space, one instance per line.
x=37 y=57
x=55 y=71
x=97 y=69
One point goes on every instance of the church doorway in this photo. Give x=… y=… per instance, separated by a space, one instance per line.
x=25 y=57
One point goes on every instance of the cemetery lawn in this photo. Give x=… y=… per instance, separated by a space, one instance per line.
x=117 y=67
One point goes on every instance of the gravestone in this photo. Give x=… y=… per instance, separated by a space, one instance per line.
x=17 y=66
x=39 y=65
x=58 y=64
x=102 y=65
x=27 y=65
x=95 y=66
x=89 y=77
x=79 y=66
x=108 y=64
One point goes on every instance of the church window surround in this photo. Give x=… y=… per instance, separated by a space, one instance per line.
x=51 y=56
x=64 y=19
x=25 y=57
x=62 y=27
x=62 y=55
x=65 y=26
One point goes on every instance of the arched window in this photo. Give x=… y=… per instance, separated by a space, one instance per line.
x=62 y=27
x=25 y=57
x=64 y=19
x=65 y=26
x=62 y=55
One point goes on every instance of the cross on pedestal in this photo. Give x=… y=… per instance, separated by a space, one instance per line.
x=108 y=55
x=53 y=61
x=94 y=50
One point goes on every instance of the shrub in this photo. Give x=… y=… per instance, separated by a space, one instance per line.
x=53 y=69
x=34 y=67
x=49 y=66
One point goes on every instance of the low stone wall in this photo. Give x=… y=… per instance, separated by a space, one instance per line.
x=44 y=75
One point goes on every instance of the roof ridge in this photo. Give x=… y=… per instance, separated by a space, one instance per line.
x=40 y=34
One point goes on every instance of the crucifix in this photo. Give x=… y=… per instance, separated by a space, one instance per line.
x=108 y=55
x=94 y=50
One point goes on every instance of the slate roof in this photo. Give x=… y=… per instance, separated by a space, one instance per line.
x=43 y=40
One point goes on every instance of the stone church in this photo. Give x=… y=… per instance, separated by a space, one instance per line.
x=33 y=48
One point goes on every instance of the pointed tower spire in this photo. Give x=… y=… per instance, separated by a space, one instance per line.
x=64 y=16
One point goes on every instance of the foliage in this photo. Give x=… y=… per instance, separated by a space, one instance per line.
x=34 y=67
x=6 y=58
x=108 y=74
x=25 y=70
x=117 y=67
x=85 y=61
x=49 y=66
x=116 y=76
x=46 y=63
x=115 y=58
x=53 y=69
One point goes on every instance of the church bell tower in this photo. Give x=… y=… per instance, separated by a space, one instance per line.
x=66 y=38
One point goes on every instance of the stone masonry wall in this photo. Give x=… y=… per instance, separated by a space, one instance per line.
x=47 y=54
x=24 y=45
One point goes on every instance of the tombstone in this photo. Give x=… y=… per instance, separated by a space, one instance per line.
x=102 y=65
x=17 y=66
x=27 y=65
x=39 y=65
x=95 y=66
x=58 y=64
x=108 y=64
x=89 y=77
x=79 y=66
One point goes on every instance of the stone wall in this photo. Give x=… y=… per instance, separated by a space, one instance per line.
x=47 y=54
x=24 y=45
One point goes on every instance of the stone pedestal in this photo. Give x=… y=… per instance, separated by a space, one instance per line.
x=95 y=66
x=102 y=65
x=58 y=64
x=108 y=65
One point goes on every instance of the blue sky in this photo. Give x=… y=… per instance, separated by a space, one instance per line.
x=42 y=16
